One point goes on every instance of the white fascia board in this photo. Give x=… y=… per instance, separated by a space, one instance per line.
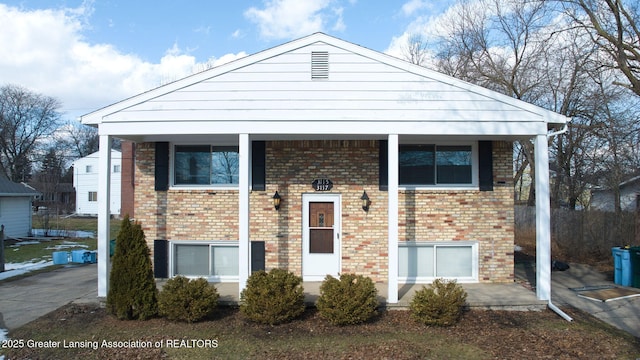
x=323 y=127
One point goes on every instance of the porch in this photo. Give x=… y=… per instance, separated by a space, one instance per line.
x=504 y=296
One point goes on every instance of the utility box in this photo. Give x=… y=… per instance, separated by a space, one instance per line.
x=622 y=270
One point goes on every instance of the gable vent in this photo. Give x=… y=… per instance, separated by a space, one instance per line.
x=319 y=65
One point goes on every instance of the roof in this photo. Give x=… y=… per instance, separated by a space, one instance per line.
x=274 y=92
x=10 y=188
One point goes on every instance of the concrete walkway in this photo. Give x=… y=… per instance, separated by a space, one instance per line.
x=25 y=300
x=28 y=298
x=623 y=313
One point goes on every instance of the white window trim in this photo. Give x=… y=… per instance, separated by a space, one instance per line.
x=208 y=244
x=172 y=183
x=429 y=279
x=475 y=171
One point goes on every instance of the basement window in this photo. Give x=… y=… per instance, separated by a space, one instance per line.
x=319 y=65
x=423 y=262
x=215 y=261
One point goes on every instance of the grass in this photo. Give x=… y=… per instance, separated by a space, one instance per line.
x=393 y=334
x=30 y=251
x=75 y=223
x=18 y=253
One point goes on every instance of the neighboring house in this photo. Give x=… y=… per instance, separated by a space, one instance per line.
x=15 y=207
x=85 y=180
x=57 y=198
x=380 y=167
x=604 y=199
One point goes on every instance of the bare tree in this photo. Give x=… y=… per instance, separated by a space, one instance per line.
x=498 y=44
x=613 y=27
x=25 y=119
x=416 y=50
x=82 y=140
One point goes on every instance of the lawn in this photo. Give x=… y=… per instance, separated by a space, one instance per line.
x=481 y=334
x=40 y=249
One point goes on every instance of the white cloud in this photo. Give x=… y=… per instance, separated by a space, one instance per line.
x=409 y=8
x=45 y=51
x=285 y=19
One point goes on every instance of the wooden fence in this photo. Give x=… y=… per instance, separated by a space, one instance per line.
x=579 y=235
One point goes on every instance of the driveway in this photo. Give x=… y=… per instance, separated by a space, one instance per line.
x=26 y=299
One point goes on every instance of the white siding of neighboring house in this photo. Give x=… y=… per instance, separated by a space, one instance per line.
x=15 y=215
x=604 y=200
x=86 y=182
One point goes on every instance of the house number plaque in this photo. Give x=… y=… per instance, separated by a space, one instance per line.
x=322 y=184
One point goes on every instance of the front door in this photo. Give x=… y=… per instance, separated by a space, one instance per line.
x=321 y=236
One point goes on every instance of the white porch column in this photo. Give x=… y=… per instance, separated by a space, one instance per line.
x=392 y=293
x=244 y=253
x=104 y=213
x=543 y=219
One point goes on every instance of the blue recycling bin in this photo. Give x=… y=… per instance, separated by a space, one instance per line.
x=622 y=270
x=60 y=257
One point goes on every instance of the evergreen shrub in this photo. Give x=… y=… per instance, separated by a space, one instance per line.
x=440 y=304
x=272 y=297
x=187 y=300
x=347 y=301
x=132 y=289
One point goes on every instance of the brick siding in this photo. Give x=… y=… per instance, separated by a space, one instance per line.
x=427 y=215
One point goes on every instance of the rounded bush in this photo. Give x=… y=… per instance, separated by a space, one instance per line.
x=441 y=304
x=348 y=300
x=187 y=300
x=272 y=298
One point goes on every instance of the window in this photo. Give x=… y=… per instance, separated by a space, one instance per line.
x=216 y=260
x=88 y=169
x=93 y=196
x=116 y=168
x=423 y=262
x=206 y=165
x=435 y=165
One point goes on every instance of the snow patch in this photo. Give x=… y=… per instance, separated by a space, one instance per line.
x=15 y=269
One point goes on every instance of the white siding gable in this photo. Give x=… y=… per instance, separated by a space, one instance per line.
x=274 y=92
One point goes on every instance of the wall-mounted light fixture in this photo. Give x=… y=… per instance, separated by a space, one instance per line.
x=276 y=200
x=365 y=201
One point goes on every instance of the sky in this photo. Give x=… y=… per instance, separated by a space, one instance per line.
x=92 y=53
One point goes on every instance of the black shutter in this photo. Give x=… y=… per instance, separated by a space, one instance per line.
x=258 y=166
x=257 y=256
x=383 y=165
x=162 y=166
x=485 y=162
x=161 y=259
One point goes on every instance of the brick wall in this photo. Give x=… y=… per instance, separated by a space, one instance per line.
x=431 y=215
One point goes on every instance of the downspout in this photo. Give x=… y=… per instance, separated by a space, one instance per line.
x=551 y=305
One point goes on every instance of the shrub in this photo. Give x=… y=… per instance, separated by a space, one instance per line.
x=349 y=300
x=132 y=288
x=441 y=304
x=272 y=298
x=187 y=300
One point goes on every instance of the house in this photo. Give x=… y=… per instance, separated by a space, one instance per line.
x=604 y=199
x=85 y=180
x=324 y=157
x=57 y=198
x=15 y=208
